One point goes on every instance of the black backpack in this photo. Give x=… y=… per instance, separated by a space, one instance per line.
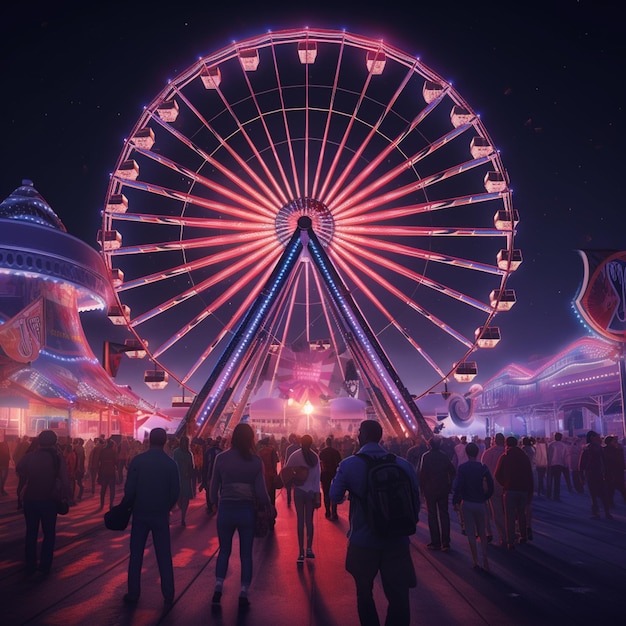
x=390 y=503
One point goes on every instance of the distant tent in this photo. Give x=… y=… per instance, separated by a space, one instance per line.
x=347 y=409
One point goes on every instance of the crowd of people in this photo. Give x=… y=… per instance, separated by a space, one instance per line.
x=490 y=484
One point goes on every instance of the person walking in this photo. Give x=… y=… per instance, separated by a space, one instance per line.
x=368 y=552
x=38 y=471
x=558 y=465
x=184 y=460
x=5 y=458
x=330 y=458
x=306 y=497
x=94 y=462
x=436 y=474
x=515 y=474
x=152 y=486
x=269 y=457
x=495 y=504
x=79 y=450
x=294 y=445
x=593 y=472
x=107 y=472
x=237 y=487
x=473 y=486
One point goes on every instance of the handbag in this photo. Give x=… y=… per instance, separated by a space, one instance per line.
x=294 y=474
x=117 y=518
x=277 y=482
x=263 y=519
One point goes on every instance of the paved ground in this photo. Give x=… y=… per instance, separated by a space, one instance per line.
x=572 y=573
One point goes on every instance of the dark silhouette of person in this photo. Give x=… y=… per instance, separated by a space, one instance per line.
x=436 y=473
x=593 y=472
x=514 y=472
x=38 y=471
x=369 y=553
x=329 y=462
x=153 y=487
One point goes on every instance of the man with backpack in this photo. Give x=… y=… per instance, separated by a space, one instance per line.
x=384 y=505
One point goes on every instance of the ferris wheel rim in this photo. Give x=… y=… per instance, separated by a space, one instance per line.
x=270 y=40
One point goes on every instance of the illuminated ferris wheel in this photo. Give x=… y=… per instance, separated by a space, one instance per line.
x=398 y=176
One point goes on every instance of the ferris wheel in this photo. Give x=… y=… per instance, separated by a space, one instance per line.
x=402 y=184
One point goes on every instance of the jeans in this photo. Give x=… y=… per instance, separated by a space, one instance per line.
x=515 y=508
x=229 y=519
x=397 y=575
x=42 y=512
x=438 y=520
x=159 y=525
x=304 y=514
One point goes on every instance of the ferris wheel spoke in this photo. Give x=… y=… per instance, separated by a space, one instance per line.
x=276 y=196
x=192 y=222
x=414 y=209
x=400 y=169
x=195 y=200
x=252 y=204
x=415 y=276
x=424 y=231
x=408 y=251
x=230 y=325
x=264 y=256
x=365 y=174
x=400 y=192
x=242 y=130
x=190 y=244
x=185 y=268
x=376 y=302
x=212 y=308
x=352 y=118
x=403 y=297
x=326 y=133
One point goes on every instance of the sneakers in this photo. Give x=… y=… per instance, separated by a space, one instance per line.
x=445 y=547
x=309 y=554
x=244 y=603
x=433 y=546
x=300 y=558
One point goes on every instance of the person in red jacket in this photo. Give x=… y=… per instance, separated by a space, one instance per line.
x=514 y=472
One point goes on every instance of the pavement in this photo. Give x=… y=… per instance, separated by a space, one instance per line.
x=573 y=572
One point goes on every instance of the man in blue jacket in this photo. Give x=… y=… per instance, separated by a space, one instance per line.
x=152 y=485
x=368 y=553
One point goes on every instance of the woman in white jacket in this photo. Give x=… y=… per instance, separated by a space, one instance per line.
x=307 y=496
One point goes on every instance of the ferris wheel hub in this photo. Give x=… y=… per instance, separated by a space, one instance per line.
x=305 y=213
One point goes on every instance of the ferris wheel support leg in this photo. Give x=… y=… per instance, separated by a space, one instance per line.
x=408 y=418
x=208 y=405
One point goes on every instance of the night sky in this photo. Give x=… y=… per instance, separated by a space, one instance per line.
x=548 y=83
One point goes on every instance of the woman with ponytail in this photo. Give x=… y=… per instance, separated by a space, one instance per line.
x=307 y=496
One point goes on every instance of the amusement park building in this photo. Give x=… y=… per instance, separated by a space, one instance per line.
x=572 y=392
x=49 y=376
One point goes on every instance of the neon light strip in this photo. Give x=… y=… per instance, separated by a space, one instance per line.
x=381 y=157
x=339 y=253
x=324 y=145
x=420 y=278
x=361 y=149
x=174 y=194
x=195 y=265
x=414 y=209
x=280 y=199
x=264 y=253
x=399 y=192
